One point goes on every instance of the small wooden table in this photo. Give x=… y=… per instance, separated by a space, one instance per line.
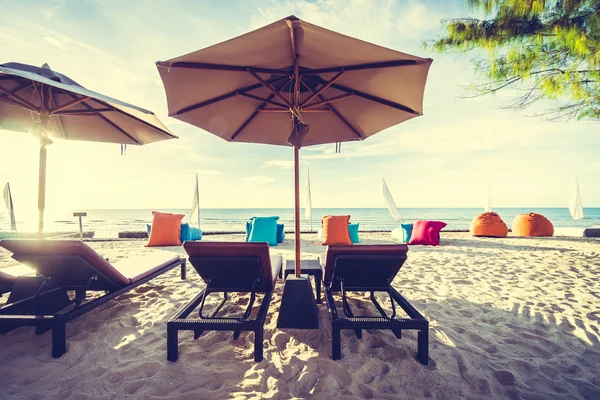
x=309 y=267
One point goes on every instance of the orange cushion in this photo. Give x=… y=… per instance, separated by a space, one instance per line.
x=335 y=229
x=532 y=224
x=165 y=231
x=488 y=224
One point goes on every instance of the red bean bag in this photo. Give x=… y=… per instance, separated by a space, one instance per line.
x=488 y=224
x=532 y=224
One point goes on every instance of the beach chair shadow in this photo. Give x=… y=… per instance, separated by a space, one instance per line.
x=370 y=268
x=227 y=267
x=72 y=276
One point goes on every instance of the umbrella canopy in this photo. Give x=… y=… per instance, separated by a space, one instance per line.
x=294 y=83
x=51 y=105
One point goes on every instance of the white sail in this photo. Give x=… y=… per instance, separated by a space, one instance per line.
x=488 y=205
x=389 y=201
x=9 y=206
x=575 y=202
x=196 y=202
x=308 y=205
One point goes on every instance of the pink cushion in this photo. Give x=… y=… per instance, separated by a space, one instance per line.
x=426 y=232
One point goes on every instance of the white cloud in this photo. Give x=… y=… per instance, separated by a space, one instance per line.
x=285 y=164
x=258 y=180
x=208 y=172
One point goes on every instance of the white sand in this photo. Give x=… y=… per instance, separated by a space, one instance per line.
x=510 y=318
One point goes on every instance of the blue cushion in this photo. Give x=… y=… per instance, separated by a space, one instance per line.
x=264 y=229
x=280 y=233
x=185 y=233
x=248 y=229
x=406 y=232
x=195 y=233
x=353 y=232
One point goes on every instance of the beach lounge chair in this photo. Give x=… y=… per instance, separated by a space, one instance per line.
x=369 y=268
x=227 y=267
x=72 y=272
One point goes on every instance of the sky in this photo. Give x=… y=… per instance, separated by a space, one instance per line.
x=444 y=158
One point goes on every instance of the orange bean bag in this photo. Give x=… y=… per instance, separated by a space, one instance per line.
x=488 y=224
x=532 y=224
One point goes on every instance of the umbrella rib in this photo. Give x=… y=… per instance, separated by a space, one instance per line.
x=19 y=99
x=111 y=108
x=271 y=89
x=367 y=96
x=16 y=104
x=267 y=100
x=84 y=112
x=68 y=104
x=219 y=67
x=322 y=88
x=224 y=96
x=336 y=112
x=326 y=101
x=361 y=67
x=103 y=118
x=249 y=119
x=60 y=125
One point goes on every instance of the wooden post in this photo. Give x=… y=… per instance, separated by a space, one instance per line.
x=297 y=208
x=41 y=191
x=80 y=214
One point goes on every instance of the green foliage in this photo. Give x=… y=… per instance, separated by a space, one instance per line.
x=548 y=49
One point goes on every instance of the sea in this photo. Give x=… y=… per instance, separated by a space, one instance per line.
x=108 y=223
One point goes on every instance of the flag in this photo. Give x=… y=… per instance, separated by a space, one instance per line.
x=196 y=202
x=389 y=201
x=9 y=206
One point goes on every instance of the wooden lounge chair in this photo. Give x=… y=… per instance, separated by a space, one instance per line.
x=227 y=267
x=71 y=273
x=369 y=268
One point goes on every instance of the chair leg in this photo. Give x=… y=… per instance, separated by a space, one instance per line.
x=172 y=339
x=236 y=334
x=197 y=333
x=318 y=287
x=59 y=337
x=397 y=332
x=423 y=346
x=258 y=345
x=183 y=271
x=336 y=344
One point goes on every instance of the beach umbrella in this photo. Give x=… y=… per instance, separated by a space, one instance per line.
x=51 y=105
x=292 y=83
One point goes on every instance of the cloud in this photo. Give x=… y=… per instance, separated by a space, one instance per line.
x=285 y=164
x=208 y=172
x=258 y=180
x=59 y=44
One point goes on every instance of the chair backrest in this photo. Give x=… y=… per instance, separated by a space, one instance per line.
x=232 y=266
x=69 y=263
x=363 y=266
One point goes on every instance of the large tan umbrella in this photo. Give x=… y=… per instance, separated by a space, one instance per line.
x=51 y=105
x=294 y=83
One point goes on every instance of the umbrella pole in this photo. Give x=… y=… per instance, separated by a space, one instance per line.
x=297 y=208
x=41 y=191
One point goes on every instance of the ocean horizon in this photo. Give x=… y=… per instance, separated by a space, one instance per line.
x=107 y=223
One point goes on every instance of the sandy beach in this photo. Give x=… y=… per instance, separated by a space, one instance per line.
x=510 y=318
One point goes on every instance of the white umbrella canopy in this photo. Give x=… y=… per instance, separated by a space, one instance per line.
x=51 y=105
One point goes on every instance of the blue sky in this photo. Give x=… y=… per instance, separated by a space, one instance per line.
x=442 y=159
